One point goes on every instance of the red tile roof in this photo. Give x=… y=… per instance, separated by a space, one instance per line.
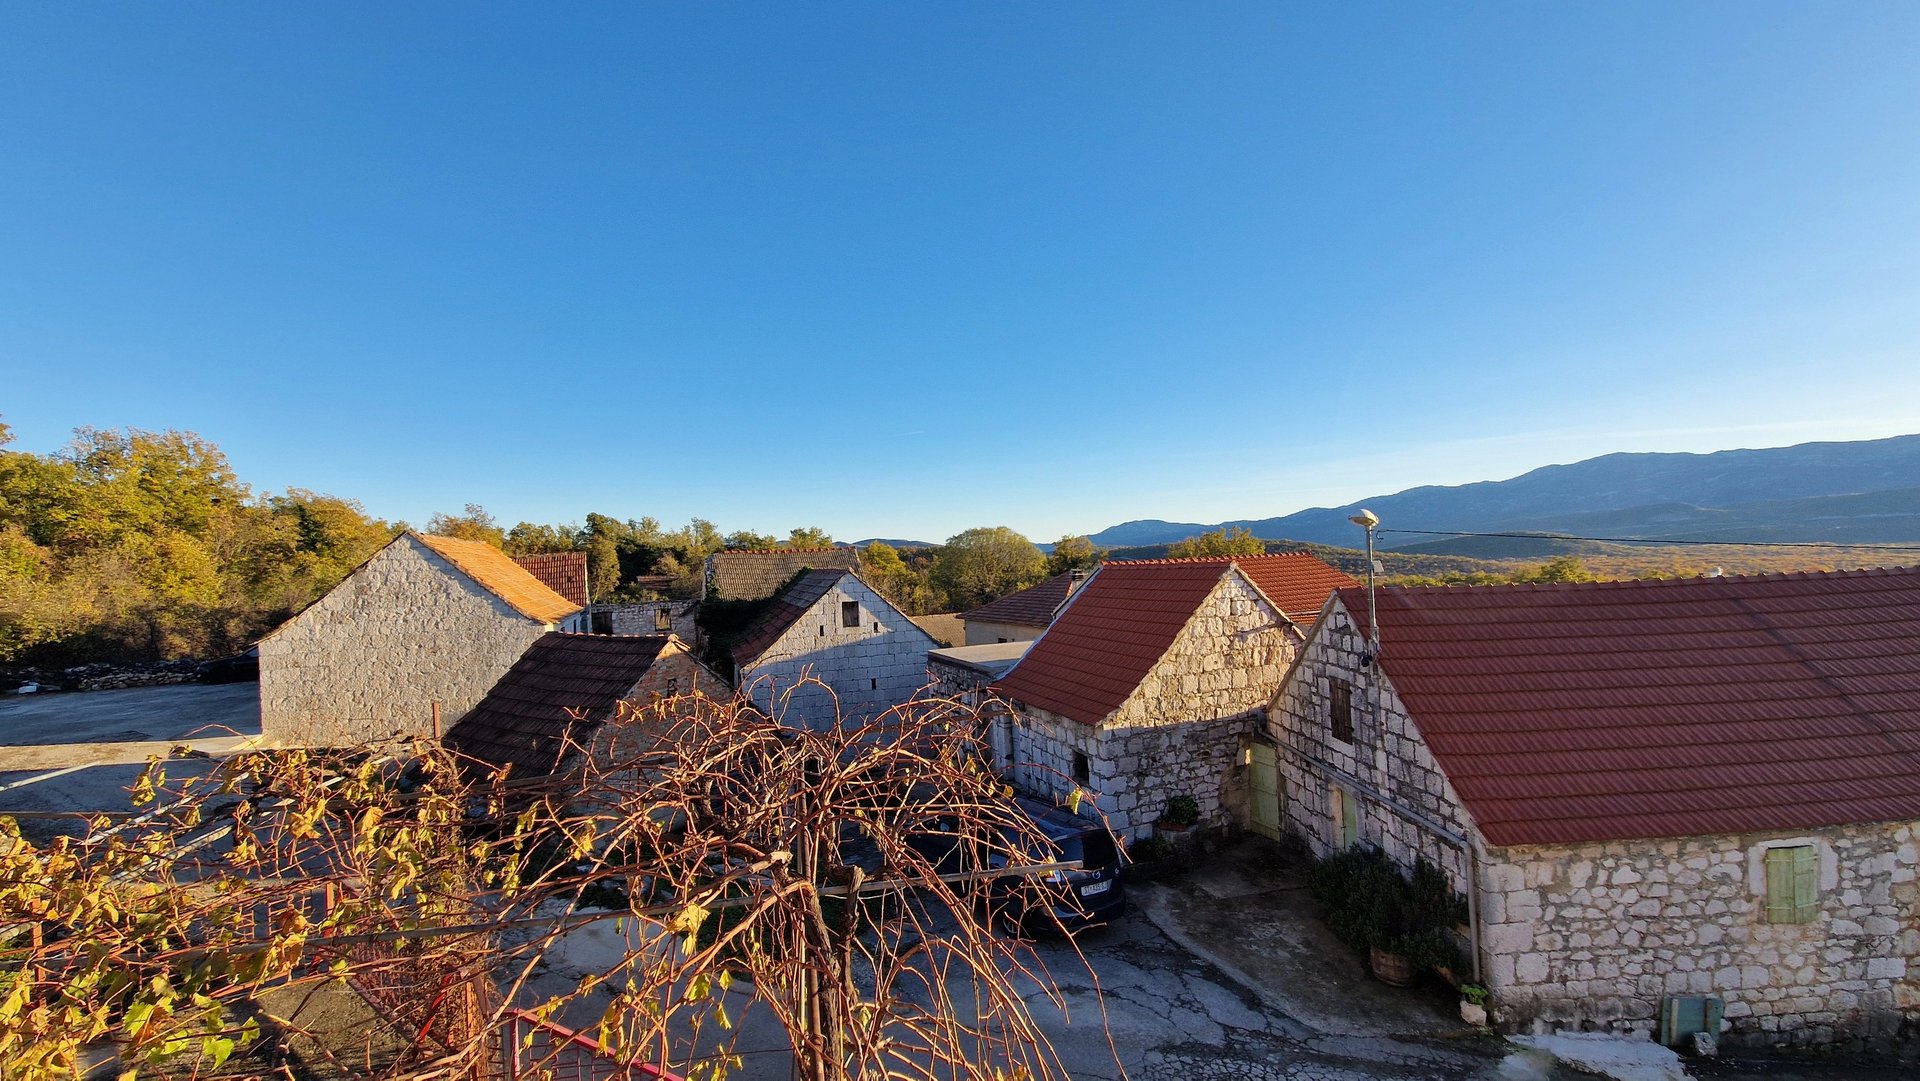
x=563 y=572
x=1617 y=710
x=1296 y=582
x=1118 y=626
x=1031 y=607
x=523 y=718
x=502 y=577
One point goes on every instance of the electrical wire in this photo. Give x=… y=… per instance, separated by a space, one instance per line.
x=1656 y=540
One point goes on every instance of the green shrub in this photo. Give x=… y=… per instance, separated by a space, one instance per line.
x=1181 y=811
x=1148 y=849
x=1367 y=903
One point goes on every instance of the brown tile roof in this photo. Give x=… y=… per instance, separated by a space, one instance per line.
x=562 y=683
x=1118 y=626
x=501 y=576
x=563 y=572
x=752 y=576
x=781 y=614
x=1617 y=710
x=1033 y=606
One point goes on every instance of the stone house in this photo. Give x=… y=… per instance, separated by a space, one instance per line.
x=551 y=711
x=1153 y=678
x=829 y=625
x=678 y=618
x=1662 y=798
x=424 y=620
x=758 y=575
x=1022 y=616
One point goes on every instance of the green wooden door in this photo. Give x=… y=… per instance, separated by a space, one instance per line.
x=1263 y=782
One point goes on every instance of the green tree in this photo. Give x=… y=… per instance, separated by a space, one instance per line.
x=978 y=565
x=807 y=537
x=1557 y=569
x=527 y=538
x=746 y=540
x=476 y=525
x=1231 y=541
x=1073 y=553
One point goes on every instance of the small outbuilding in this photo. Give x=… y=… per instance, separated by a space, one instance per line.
x=1152 y=680
x=425 y=621
x=1022 y=616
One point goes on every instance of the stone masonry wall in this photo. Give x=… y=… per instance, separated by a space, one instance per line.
x=367 y=660
x=869 y=668
x=1595 y=936
x=1183 y=728
x=644 y=618
x=1387 y=766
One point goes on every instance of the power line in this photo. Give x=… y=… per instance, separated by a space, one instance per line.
x=1655 y=540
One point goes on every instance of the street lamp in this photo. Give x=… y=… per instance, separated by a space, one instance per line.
x=1368 y=520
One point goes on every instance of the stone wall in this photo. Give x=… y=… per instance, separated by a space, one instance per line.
x=368 y=660
x=1405 y=805
x=1595 y=936
x=1182 y=730
x=868 y=668
x=644 y=618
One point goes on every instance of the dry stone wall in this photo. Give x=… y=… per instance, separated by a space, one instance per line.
x=644 y=618
x=1596 y=936
x=368 y=660
x=868 y=668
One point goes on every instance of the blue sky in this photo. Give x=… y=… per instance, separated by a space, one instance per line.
x=902 y=269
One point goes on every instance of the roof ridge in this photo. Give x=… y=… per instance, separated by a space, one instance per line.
x=777 y=551
x=1649 y=583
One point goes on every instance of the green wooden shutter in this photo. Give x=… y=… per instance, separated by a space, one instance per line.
x=1349 y=820
x=1793 y=884
x=1806 y=883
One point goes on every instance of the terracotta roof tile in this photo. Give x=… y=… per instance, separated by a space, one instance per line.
x=1118 y=626
x=1033 y=606
x=563 y=572
x=501 y=576
x=1616 y=710
x=563 y=683
x=1297 y=583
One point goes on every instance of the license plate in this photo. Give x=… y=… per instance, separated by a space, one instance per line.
x=1093 y=888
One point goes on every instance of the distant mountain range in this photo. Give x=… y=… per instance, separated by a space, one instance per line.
x=1865 y=492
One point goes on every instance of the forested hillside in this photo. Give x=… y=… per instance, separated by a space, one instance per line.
x=143 y=545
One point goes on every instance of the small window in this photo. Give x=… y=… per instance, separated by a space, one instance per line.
x=823 y=630
x=603 y=622
x=876 y=626
x=875 y=684
x=1793 y=884
x=1003 y=639
x=849 y=613
x=1082 y=770
x=1340 y=710
x=662 y=620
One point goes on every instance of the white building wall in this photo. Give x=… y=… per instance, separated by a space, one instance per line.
x=867 y=669
x=986 y=634
x=368 y=660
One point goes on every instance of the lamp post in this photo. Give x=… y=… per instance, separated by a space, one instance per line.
x=1368 y=520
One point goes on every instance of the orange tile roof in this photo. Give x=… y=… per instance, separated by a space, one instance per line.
x=502 y=577
x=563 y=572
x=1619 y=710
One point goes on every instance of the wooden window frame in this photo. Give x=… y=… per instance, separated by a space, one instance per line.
x=1340 y=710
x=849 y=614
x=1792 y=877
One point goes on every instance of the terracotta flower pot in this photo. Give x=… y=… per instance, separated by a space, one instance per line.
x=1392 y=969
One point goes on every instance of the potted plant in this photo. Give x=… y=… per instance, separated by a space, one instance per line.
x=1473 y=1003
x=1180 y=816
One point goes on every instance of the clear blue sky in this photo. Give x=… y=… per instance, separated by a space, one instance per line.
x=900 y=269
